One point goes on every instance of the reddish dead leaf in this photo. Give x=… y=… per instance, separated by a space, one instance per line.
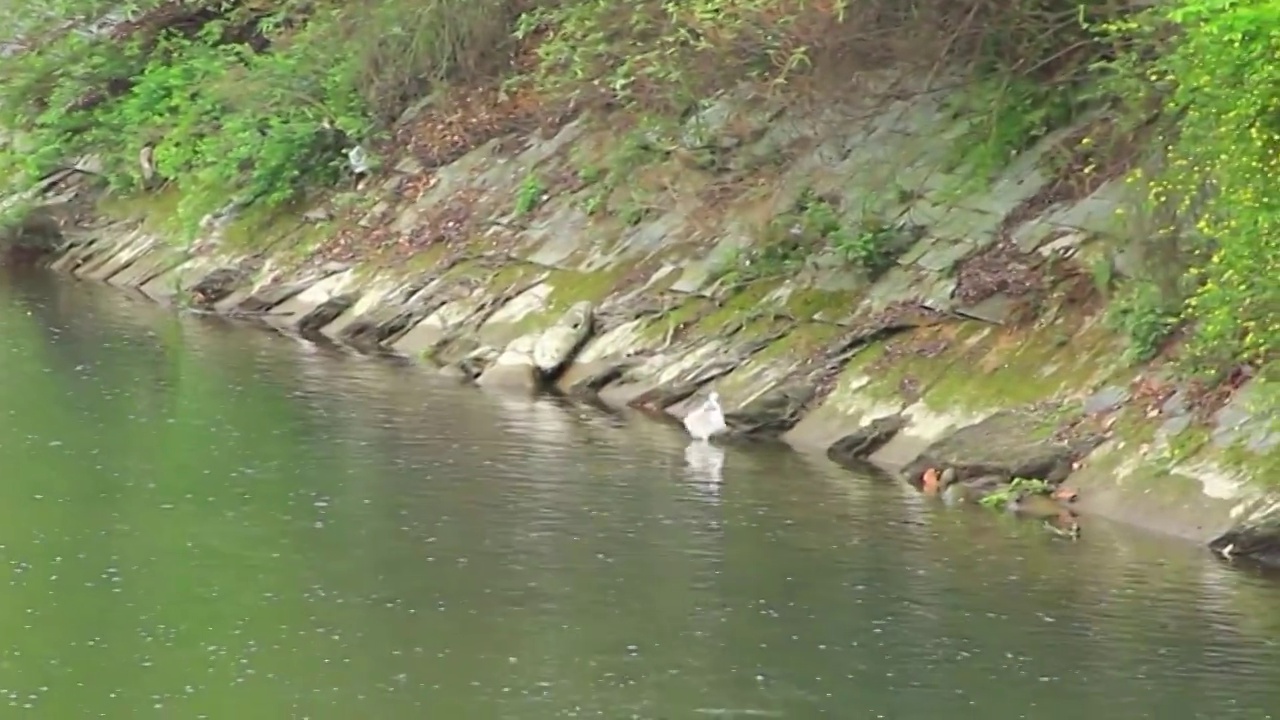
x=1063 y=494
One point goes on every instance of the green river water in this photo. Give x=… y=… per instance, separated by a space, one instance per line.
x=202 y=520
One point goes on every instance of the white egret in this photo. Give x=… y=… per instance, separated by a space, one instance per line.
x=707 y=419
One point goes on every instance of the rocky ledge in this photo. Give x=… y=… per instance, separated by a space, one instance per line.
x=974 y=361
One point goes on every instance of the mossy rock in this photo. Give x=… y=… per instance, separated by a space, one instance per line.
x=1001 y=446
x=772 y=413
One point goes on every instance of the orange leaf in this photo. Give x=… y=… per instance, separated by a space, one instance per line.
x=929 y=481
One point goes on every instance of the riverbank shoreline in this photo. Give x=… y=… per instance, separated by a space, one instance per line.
x=979 y=356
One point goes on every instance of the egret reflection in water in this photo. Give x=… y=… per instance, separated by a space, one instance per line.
x=706 y=465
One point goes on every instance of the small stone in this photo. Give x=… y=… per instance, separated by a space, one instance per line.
x=854 y=448
x=945 y=255
x=375 y=214
x=998 y=309
x=90 y=164
x=409 y=165
x=513 y=367
x=477 y=361
x=1105 y=400
x=558 y=344
x=318 y=215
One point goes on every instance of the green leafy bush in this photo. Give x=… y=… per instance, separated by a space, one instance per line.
x=238 y=101
x=400 y=48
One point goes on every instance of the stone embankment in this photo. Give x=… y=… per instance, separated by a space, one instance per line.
x=824 y=268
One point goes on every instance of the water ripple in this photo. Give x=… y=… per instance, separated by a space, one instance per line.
x=202 y=516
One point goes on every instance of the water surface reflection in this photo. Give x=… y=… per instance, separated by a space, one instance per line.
x=208 y=521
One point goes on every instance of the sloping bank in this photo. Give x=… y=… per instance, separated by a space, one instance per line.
x=978 y=355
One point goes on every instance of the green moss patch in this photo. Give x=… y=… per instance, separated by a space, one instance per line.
x=803 y=341
x=1264 y=467
x=1020 y=367
x=807 y=303
x=861 y=365
x=570 y=287
x=157 y=212
x=424 y=260
x=747 y=306
x=686 y=312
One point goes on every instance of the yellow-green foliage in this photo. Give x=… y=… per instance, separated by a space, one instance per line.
x=1218 y=79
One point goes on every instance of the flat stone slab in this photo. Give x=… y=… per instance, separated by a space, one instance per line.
x=1004 y=444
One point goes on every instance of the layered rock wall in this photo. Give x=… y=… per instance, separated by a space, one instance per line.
x=495 y=268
